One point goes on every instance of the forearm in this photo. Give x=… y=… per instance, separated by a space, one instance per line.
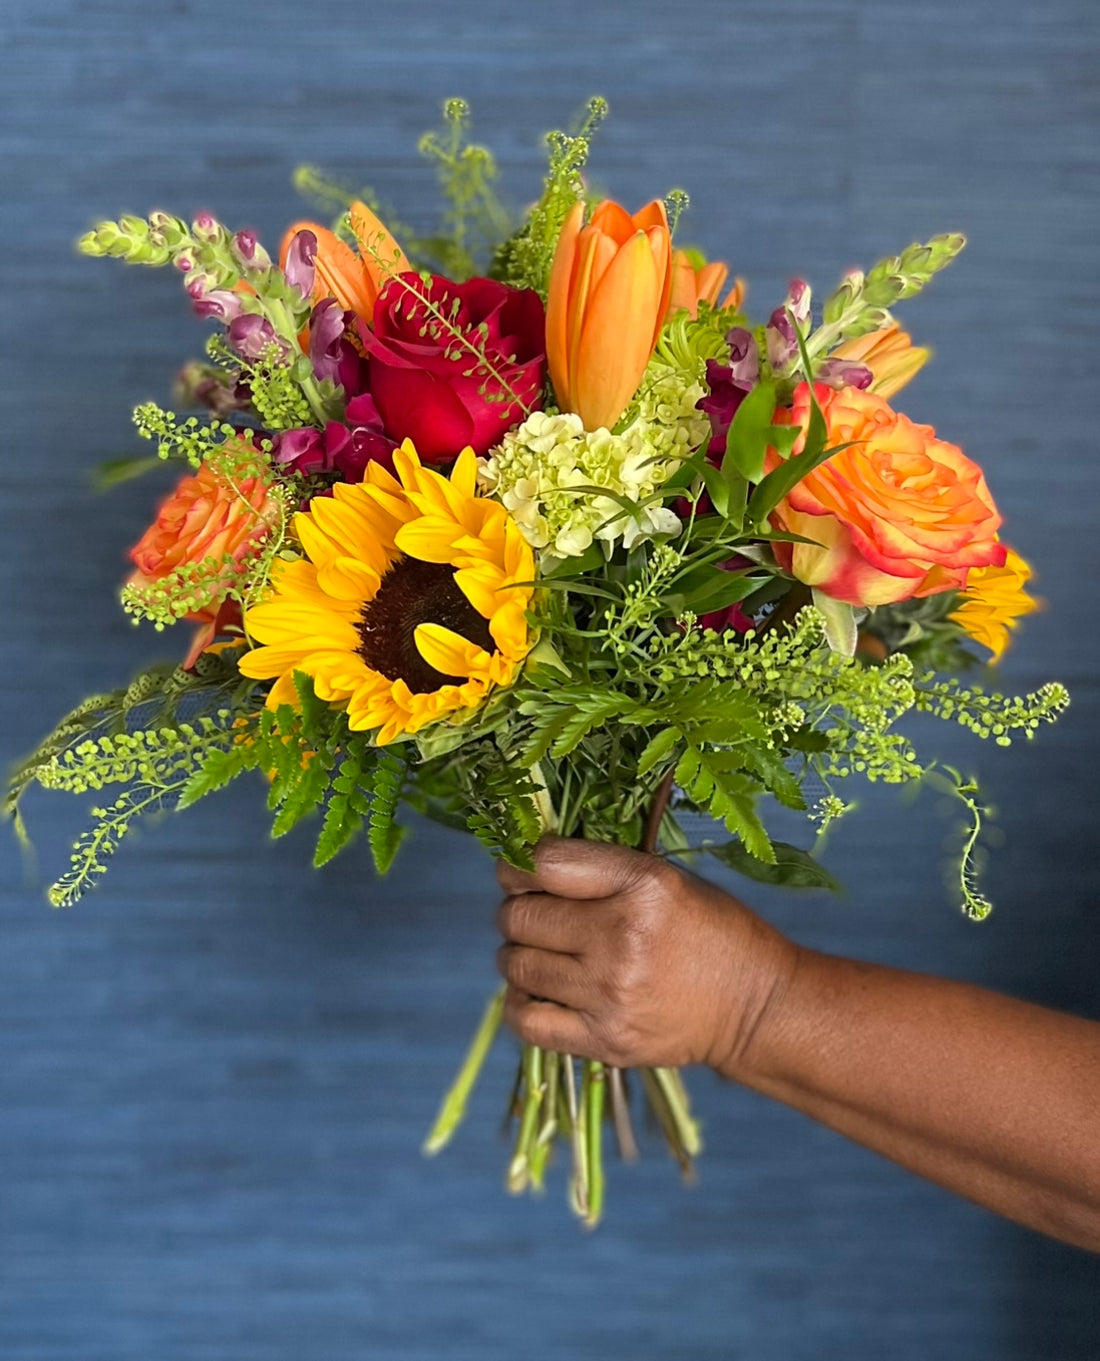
x=995 y=1099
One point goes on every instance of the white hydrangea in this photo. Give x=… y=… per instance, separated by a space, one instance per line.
x=539 y=469
x=666 y=404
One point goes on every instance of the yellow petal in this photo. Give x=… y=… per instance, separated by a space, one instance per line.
x=447 y=651
x=430 y=540
x=318 y=546
x=284 y=691
x=348 y=579
x=464 y=473
x=480 y=588
x=350 y=527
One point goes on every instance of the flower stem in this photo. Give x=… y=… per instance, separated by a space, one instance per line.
x=578 y=1186
x=620 y=1111
x=658 y=1103
x=595 y=1083
x=453 y=1107
x=657 y=811
x=544 y=1140
x=519 y=1171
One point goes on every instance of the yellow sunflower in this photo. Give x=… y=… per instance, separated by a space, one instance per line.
x=994 y=599
x=405 y=608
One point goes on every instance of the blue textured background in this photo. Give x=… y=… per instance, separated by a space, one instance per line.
x=214 y=1075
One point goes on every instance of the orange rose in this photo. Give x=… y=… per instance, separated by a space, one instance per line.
x=204 y=519
x=897 y=515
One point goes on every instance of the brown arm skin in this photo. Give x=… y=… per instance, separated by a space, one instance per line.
x=616 y=955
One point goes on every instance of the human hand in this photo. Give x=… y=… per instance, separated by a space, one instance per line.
x=617 y=955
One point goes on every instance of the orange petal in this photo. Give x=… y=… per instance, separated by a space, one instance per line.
x=660 y=243
x=620 y=324
x=557 y=302
x=736 y=296
x=340 y=274
x=710 y=280
x=683 y=296
x=652 y=215
x=595 y=253
x=379 y=253
x=613 y=219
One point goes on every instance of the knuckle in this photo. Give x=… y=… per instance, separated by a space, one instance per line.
x=513 y=915
x=612 y=1042
x=658 y=882
x=550 y=851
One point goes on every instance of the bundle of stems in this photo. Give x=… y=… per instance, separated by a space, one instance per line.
x=548 y=1103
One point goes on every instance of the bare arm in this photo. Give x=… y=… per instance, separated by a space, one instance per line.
x=617 y=955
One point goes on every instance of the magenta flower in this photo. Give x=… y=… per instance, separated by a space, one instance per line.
x=343 y=450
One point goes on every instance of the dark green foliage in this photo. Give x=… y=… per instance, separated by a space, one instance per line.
x=385 y=833
x=792 y=868
x=502 y=798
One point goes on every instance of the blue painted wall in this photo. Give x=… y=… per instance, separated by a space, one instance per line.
x=214 y=1075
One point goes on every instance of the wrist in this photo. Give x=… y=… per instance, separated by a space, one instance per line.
x=760 y=1002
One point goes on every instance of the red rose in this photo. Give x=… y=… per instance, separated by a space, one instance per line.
x=464 y=381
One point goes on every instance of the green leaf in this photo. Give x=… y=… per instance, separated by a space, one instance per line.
x=385 y=834
x=718 y=489
x=685 y=474
x=304 y=796
x=779 y=481
x=658 y=749
x=218 y=769
x=793 y=868
x=718 y=590
x=115 y=471
x=314 y=711
x=592 y=711
x=749 y=435
x=841 y=632
x=341 y=823
x=807 y=739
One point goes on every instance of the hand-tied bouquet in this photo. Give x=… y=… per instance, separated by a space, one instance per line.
x=569 y=544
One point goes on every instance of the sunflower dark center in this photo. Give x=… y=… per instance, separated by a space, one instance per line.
x=414 y=592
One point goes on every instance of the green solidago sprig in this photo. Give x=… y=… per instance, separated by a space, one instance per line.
x=154 y=765
x=474 y=220
x=524 y=260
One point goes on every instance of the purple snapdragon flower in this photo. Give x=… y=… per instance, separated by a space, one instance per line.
x=300 y=268
x=333 y=354
x=729 y=385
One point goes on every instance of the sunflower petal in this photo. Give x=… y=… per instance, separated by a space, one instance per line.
x=447 y=651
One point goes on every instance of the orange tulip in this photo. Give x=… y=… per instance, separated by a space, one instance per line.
x=609 y=289
x=693 y=284
x=890 y=355
x=355 y=281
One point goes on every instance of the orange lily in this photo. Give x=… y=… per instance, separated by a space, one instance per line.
x=693 y=284
x=355 y=281
x=609 y=289
x=890 y=355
